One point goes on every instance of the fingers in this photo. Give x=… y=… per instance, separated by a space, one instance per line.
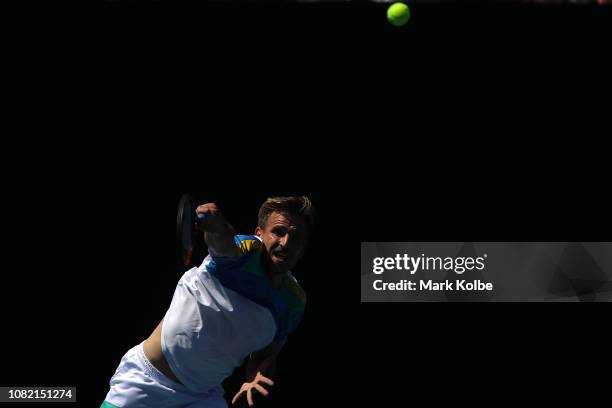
x=248 y=388
x=209 y=217
x=261 y=390
x=207 y=208
x=250 y=397
x=238 y=394
x=244 y=388
x=263 y=379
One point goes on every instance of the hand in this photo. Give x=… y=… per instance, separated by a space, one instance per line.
x=213 y=221
x=249 y=386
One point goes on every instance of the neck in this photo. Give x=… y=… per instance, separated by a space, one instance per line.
x=276 y=279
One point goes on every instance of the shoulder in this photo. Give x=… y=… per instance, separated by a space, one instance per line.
x=248 y=243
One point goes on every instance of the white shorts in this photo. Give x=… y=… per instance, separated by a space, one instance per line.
x=137 y=384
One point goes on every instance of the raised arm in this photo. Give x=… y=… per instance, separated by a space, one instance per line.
x=218 y=232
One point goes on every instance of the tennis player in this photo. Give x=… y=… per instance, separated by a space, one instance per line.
x=239 y=305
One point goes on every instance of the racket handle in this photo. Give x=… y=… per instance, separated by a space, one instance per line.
x=201 y=217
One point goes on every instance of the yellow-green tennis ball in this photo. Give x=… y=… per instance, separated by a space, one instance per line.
x=398 y=14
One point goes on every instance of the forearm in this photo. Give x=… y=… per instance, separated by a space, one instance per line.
x=221 y=242
x=218 y=232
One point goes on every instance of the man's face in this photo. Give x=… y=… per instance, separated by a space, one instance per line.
x=284 y=237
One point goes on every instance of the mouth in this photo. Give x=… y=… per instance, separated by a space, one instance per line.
x=283 y=257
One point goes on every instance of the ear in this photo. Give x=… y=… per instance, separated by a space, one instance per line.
x=258 y=232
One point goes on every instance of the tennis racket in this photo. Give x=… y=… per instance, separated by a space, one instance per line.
x=190 y=241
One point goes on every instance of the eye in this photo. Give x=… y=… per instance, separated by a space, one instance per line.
x=279 y=231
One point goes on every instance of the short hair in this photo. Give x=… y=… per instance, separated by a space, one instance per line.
x=293 y=205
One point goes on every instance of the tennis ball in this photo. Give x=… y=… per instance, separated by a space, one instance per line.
x=398 y=14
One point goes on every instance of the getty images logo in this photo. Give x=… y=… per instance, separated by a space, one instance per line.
x=404 y=262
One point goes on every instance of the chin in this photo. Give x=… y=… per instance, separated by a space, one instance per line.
x=281 y=268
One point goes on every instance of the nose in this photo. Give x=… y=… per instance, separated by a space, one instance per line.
x=284 y=240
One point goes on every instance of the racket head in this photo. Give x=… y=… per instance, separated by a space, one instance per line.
x=185 y=230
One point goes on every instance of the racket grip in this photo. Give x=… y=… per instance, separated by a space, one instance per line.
x=201 y=217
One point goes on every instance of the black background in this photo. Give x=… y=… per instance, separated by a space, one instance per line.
x=474 y=122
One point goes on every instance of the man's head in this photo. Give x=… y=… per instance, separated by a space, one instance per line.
x=285 y=225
